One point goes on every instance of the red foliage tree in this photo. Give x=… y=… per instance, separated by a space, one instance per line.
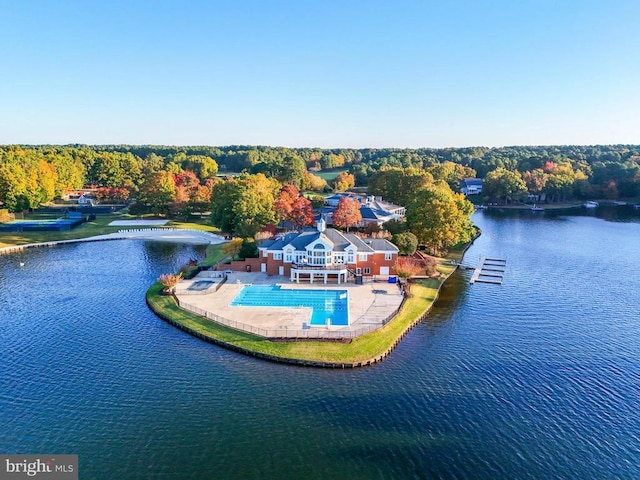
x=186 y=179
x=407 y=267
x=112 y=194
x=286 y=198
x=301 y=213
x=293 y=207
x=347 y=213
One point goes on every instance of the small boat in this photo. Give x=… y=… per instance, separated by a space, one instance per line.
x=535 y=208
x=619 y=203
x=480 y=207
x=591 y=204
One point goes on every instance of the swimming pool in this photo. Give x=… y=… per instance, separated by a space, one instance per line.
x=329 y=307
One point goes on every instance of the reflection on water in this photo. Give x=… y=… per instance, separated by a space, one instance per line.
x=536 y=378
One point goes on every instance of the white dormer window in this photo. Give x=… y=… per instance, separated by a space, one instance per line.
x=288 y=257
x=350 y=257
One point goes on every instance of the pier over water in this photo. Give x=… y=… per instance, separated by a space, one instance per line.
x=490 y=270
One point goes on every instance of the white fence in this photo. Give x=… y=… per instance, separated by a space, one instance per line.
x=307 y=332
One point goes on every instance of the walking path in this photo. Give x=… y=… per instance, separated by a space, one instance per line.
x=195 y=237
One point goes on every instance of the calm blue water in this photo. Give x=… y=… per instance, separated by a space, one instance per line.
x=325 y=304
x=536 y=378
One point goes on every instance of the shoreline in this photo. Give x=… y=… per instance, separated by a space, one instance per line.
x=197 y=237
x=319 y=354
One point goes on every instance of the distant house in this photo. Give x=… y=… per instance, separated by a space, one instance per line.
x=471 y=186
x=372 y=209
x=85 y=200
x=324 y=254
x=334 y=199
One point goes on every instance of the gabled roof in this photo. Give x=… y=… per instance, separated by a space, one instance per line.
x=383 y=205
x=279 y=242
x=381 y=244
x=472 y=181
x=357 y=241
x=338 y=240
x=369 y=213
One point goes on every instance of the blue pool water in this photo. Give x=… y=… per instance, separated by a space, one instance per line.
x=326 y=304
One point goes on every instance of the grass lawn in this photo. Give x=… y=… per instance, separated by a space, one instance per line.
x=203 y=225
x=99 y=226
x=214 y=255
x=330 y=175
x=361 y=349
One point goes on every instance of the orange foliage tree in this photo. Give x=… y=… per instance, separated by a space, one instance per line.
x=347 y=213
x=169 y=281
x=293 y=207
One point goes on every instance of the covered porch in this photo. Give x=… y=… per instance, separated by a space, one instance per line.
x=323 y=273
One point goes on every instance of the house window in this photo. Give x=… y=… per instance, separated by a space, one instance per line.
x=366 y=271
x=388 y=256
x=277 y=256
x=358 y=271
x=288 y=257
x=362 y=257
x=350 y=257
x=319 y=256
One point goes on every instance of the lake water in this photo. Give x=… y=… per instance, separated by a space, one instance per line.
x=536 y=378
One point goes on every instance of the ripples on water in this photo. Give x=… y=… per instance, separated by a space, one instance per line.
x=537 y=378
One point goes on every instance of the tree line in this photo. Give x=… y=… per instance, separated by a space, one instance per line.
x=260 y=186
x=33 y=175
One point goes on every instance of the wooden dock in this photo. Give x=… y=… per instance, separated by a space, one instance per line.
x=490 y=270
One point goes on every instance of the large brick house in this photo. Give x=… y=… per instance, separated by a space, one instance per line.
x=325 y=254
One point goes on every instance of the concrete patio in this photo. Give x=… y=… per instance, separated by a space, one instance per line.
x=370 y=306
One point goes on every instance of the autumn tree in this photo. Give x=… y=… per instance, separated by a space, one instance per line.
x=314 y=183
x=407 y=267
x=343 y=182
x=347 y=213
x=535 y=180
x=244 y=205
x=398 y=185
x=505 y=185
x=450 y=172
x=302 y=213
x=13 y=187
x=294 y=208
x=157 y=192
x=169 y=281
x=560 y=181
x=202 y=166
x=232 y=248
x=439 y=217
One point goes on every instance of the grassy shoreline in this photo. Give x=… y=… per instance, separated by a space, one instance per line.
x=364 y=350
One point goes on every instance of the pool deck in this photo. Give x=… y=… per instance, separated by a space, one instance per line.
x=369 y=305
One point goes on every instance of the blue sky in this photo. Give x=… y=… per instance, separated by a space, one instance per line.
x=309 y=73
